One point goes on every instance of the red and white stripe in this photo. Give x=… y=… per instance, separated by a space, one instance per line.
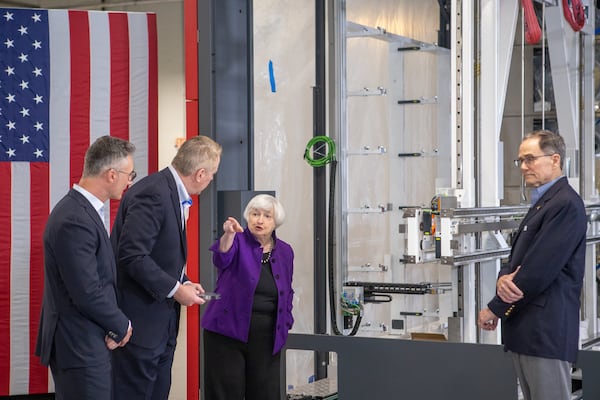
x=104 y=78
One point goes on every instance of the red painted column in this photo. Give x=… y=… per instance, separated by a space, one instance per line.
x=190 y=22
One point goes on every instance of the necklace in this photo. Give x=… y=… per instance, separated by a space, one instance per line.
x=266 y=257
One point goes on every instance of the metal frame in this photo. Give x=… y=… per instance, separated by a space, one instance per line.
x=226 y=114
x=375 y=368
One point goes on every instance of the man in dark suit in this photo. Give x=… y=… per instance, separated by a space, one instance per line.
x=150 y=245
x=538 y=290
x=80 y=321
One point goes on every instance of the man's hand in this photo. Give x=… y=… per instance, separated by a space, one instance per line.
x=487 y=320
x=124 y=341
x=111 y=344
x=506 y=288
x=188 y=294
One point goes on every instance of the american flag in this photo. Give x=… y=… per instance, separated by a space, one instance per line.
x=66 y=78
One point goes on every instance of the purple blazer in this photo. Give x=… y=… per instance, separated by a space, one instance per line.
x=238 y=274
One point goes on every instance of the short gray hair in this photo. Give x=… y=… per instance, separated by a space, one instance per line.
x=550 y=143
x=106 y=152
x=266 y=202
x=195 y=153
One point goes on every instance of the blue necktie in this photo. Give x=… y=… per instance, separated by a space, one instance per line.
x=185 y=207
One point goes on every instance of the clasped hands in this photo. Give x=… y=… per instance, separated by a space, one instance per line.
x=508 y=292
x=111 y=344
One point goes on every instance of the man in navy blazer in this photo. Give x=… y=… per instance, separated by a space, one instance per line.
x=538 y=290
x=80 y=321
x=151 y=250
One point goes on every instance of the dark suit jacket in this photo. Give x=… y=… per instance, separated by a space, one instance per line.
x=79 y=306
x=151 y=252
x=550 y=248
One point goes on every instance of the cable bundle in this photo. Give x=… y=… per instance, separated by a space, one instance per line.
x=574 y=14
x=323 y=158
x=533 y=32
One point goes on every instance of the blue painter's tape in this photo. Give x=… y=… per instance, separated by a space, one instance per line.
x=272 y=77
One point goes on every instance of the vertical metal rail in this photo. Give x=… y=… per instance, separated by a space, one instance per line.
x=477 y=123
x=458 y=88
x=587 y=181
x=523 y=198
x=225 y=110
x=320 y=191
x=457 y=117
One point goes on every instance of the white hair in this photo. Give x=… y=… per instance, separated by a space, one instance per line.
x=266 y=202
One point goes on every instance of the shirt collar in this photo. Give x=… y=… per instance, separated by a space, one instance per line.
x=96 y=202
x=538 y=192
x=184 y=197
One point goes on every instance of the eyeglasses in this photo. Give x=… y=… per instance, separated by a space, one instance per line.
x=131 y=175
x=528 y=160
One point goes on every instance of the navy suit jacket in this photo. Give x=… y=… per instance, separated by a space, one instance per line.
x=150 y=249
x=550 y=248
x=79 y=306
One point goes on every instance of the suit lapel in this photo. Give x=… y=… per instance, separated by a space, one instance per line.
x=539 y=205
x=176 y=208
x=85 y=204
x=93 y=214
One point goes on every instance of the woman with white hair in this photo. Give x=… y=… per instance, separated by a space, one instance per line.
x=246 y=328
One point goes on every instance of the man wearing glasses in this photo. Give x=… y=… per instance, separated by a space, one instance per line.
x=80 y=321
x=538 y=289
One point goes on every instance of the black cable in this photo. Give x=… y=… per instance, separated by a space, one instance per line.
x=329 y=158
x=330 y=249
